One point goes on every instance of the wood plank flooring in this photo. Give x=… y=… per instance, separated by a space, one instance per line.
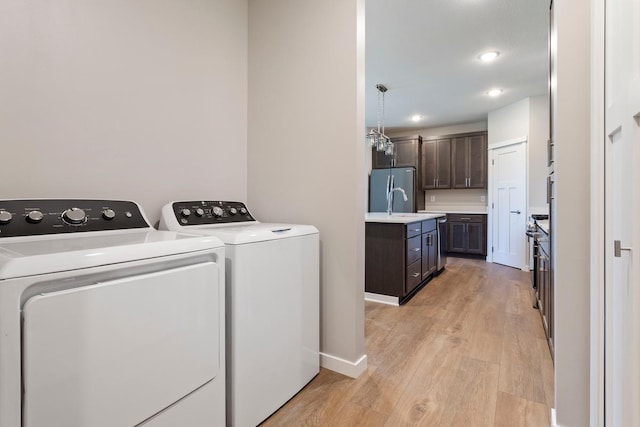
x=467 y=350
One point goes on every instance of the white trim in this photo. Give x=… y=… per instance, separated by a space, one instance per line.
x=554 y=422
x=342 y=366
x=490 y=205
x=381 y=299
x=512 y=141
x=597 y=328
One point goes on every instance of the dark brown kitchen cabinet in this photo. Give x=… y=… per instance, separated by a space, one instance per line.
x=545 y=288
x=429 y=248
x=469 y=161
x=467 y=234
x=436 y=164
x=406 y=154
x=399 y=257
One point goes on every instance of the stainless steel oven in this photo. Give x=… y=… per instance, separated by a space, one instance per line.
x=533 y=236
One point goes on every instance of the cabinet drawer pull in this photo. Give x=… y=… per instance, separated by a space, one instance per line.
x=416 y=249
x=415 y=274
x=415 y=229
x=464 y=218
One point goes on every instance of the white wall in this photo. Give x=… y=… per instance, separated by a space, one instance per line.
x=571 y=220
x=139 y=100
x=509 y=122
x=456 y=199
x=307 y=147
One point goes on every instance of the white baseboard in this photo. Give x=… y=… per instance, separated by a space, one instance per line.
x=382 y=299
x=553 y=418
x=342 y=366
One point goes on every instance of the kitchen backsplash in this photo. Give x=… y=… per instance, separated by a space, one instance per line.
x=471 y=199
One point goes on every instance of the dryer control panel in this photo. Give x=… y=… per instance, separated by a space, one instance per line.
x=211 y=212
x=53 y=216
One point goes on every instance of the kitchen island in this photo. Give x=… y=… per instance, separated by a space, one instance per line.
x=401 y=251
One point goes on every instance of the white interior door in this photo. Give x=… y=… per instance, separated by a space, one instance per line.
x=622 y=292
x=509 y=205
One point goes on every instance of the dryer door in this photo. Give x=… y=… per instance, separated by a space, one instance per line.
x=118 y=352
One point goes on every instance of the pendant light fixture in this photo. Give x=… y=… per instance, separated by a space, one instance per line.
x=377 y=138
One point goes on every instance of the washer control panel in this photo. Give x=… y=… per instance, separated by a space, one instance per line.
x=53 y=216
x=210 y=212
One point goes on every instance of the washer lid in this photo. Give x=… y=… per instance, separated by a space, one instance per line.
x=33 y=255
x=255 y=232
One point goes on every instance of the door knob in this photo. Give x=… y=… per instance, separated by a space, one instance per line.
x=516 y=212
x=617 y=249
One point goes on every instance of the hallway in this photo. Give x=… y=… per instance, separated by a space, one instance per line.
x=467 y=350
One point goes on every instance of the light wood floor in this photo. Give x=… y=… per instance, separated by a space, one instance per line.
x=467 y=350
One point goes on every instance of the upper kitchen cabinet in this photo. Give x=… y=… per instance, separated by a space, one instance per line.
x=469 y=161
x=436 y=164
x=406 y=153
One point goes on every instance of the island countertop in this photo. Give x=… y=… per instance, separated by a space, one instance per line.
x=400 y=218
x=463 y=211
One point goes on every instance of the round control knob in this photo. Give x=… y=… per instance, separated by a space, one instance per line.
x=233 y=211
x=74 y=216
x=35 y=217
x=199 y=212
x=185 y=212
x=217 y=211
x=108 y=214
x=243 y=211
x=5 y=217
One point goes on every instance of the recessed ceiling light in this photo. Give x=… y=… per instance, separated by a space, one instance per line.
x=489 y=56
x=416 y=118
x=494 y=92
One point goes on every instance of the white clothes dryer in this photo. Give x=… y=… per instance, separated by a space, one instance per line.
x=272 y=281
x=105 y=321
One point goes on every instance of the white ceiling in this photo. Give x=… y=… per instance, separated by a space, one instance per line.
x=426 y=53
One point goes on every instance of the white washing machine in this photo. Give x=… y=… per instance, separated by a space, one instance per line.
x=272 y=280
x=105 y=321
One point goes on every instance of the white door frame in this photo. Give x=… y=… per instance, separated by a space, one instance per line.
x=490 y=196
x=597 y=286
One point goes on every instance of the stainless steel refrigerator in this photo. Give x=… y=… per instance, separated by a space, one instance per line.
x=382 y=180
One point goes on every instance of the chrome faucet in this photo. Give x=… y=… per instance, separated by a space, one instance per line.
x=390 y=198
